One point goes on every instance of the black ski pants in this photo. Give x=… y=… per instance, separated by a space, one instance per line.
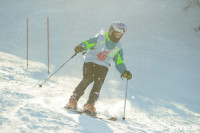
x=91 y=73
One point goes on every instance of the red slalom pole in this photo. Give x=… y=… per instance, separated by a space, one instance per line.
x=48 y=40
x=27 y=42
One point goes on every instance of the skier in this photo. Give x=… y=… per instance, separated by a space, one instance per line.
x=102 y=49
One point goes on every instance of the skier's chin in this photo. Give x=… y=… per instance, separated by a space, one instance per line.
x=115 y=40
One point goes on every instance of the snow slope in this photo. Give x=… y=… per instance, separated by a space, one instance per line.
x=161 y=50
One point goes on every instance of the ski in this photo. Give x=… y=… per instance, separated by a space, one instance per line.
x=110 y=119
x=78 y=111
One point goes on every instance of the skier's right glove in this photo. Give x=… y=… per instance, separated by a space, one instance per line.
x=79 y=49
x=127 y=75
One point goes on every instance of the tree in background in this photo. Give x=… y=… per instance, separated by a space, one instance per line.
x=193 y=4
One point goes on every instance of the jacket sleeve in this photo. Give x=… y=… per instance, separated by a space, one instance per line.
x=88 y=44
x=119 y=62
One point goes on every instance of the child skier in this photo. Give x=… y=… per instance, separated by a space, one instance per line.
x=102 y=49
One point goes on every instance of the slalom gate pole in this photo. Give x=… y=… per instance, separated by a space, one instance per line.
x=27 y=42
x=123 y=118
x=40 y=85
x=48 y=41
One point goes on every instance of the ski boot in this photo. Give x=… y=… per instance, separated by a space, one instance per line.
x=72 y=104
x=89 y=109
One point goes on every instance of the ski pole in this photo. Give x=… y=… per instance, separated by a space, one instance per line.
x=40 y=85
x=123 y=118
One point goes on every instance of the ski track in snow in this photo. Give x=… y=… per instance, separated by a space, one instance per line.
x=27 y=108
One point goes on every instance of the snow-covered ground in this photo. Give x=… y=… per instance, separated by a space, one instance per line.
x=161 y=50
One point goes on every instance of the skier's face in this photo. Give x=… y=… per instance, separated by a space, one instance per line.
x=117 y=35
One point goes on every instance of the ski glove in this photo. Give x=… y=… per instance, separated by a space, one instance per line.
x=127 y=75
x=79 y=49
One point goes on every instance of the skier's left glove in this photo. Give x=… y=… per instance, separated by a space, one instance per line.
x=79 y=49
x=127 y=75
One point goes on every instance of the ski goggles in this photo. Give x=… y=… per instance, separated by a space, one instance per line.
x=122 y=26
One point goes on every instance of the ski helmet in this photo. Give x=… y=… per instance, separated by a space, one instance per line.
x=118 y=27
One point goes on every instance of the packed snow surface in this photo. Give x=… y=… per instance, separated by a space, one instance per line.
x=162 y=51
